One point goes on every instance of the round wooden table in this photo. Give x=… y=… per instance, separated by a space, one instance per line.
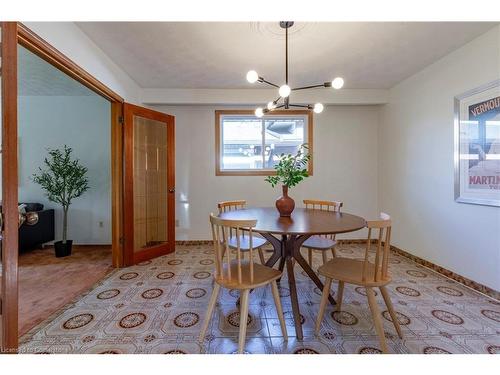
x=287 y=234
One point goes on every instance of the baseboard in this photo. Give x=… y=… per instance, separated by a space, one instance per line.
x=104 y=246
x=194 y=242
x=490 y=292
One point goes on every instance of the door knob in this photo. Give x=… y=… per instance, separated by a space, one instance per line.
x=171 y=190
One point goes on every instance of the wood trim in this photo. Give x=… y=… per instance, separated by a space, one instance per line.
x=219 y=113
x=10 y=189
x=128 y=192
x=171 y=181
x=130 y=256
x=44 y=50
x=117 y=183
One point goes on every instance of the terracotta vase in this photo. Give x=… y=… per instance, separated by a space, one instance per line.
x=285 y=204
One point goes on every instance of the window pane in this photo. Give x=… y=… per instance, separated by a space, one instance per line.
x=283 y=135
x=242 y=143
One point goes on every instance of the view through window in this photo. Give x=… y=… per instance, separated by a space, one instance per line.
x=248 y=143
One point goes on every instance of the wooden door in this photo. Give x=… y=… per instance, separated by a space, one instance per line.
x=10 y=213
x=149 y=186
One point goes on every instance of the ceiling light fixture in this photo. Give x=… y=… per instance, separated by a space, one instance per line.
x=285 y=90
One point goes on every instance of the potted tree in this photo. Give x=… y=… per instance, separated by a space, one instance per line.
x=63 y=180
x=290 y=171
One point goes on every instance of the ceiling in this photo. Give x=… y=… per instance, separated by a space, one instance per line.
x=36 y=77
x=218 y=54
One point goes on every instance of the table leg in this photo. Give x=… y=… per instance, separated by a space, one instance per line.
x=277 y=246
x=305 y=266
x=281 y=267
x=294 y=298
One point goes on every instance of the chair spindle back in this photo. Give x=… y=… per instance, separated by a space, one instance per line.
x=231 y=206
x=381 y=264
x=334 y=206
x=220 y=231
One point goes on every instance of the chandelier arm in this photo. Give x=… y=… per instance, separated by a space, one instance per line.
x=308 y=87
x=266 y=110
x=262 y=80
x=308 y=106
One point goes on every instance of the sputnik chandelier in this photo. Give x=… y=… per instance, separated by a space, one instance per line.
x=283 y=101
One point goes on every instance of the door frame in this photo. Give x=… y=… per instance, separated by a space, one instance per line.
x=14 y=33
x=130 y=110
x=9 y=302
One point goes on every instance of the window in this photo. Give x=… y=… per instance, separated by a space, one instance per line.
x=248 y=145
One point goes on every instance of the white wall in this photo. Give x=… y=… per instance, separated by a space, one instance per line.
x=345 y=167
x=70 y=40
x=82 y=123
x=416 y=166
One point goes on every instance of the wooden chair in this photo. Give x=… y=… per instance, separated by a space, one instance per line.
x=363 y=273
x=258 y=242
x=325 y=242
x=240 y=274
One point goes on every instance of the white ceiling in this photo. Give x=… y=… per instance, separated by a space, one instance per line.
x=218 y=54
x=36 y=77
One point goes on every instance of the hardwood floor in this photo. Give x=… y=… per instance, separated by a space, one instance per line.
x=47 y=283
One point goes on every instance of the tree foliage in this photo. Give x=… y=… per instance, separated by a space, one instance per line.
x=291 y=169
x=63 y=180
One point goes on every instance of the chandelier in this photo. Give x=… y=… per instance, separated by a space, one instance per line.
x=283 y=101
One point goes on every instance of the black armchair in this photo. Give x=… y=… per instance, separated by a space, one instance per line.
x=33 y=236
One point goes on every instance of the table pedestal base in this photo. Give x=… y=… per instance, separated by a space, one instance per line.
x=285 y=250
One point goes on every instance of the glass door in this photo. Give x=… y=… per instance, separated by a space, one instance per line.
x=149 y=192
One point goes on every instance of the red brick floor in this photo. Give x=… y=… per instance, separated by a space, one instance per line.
x=47 y=283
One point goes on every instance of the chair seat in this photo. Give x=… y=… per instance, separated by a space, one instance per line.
x=245 y=243
x=263 y=275
x=319 y=243
x=351 y=271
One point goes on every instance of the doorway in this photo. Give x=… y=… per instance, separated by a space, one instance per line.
x=58 y=114
x=13 y=33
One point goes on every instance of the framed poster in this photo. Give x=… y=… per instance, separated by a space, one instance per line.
x=477 y=145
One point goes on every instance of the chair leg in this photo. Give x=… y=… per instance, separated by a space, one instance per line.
x=377 y=320
x=279 y=309
x=310 y=257
x=340 y=293
x=261 y=256
x=393 y=315
x=322 y=305
x=323 y=254
x=334 y=252
x=210 y=310
x=243 y=320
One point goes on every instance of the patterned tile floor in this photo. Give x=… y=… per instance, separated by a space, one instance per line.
x=158 y=307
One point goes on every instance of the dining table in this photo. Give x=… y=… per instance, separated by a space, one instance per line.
x=287 y=234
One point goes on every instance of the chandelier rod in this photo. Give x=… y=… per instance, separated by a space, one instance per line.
x=286 y=55
x=286 y=100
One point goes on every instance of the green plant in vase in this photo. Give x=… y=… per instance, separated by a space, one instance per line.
x=63 y=180
x=290 y=171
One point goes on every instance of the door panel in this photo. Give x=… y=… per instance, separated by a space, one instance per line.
x=149 y=184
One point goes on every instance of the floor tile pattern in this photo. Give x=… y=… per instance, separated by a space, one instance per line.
x=158 y=306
